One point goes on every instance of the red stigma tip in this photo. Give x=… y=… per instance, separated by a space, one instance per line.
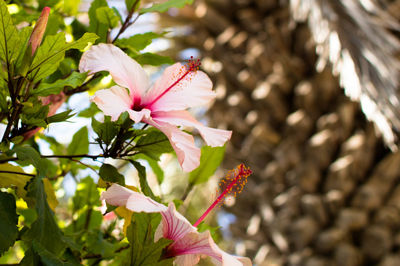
x=193 y=64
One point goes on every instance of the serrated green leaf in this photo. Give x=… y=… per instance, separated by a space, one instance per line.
x=74 y=80
x=211 y=158
x=153 y=59
x=12 y=179
x=60 y=117
x=107 y=16
x=52 y=52
x=8 y=36
x=138 y=42
x=153 y=144
x=79 y=143
x=96 y=26
x=110 y=173
x=162 y=7
x=8 y=221
x=44 y=230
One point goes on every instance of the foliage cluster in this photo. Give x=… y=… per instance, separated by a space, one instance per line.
x=30 y=179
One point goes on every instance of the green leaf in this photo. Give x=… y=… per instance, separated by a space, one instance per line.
x=60 y=117
x=106 y=130
x=48 y=258
x=12 y=179
x=74 y=80
x=9 y=41
x=110 y=173
x=143 y=179
x=44 y=230
x=79 y=143
x=210 y=159
x=8 y=221
x=162 y=7
x=143 y=250
x=153 y=144
x=35 y=114
x=30 y=155
x=52 y=52
x=107 y=16
x=129 y=4
x=86 y=194
x=138 y=41
x=96 y=26
x=153 y=164
x=90 y=111
x=153 y=59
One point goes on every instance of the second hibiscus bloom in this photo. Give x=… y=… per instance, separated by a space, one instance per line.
x=162 y=105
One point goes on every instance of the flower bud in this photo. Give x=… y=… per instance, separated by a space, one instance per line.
x=38 y=30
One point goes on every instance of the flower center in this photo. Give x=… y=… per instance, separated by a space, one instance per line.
x=233 y=184
x=192 y=66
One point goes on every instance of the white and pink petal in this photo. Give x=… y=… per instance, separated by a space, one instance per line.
x=113 y=101
x=172 y=92
x=118 y=195
x=183 y=143
x=212 y=136
x=125 y=71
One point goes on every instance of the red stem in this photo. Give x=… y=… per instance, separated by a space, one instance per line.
x=239 y=175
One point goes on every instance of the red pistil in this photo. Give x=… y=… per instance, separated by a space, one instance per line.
x=192 y=66
x=237 y=178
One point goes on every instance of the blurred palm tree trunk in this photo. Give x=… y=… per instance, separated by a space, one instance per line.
x=326 y=189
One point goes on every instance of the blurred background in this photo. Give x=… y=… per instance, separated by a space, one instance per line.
x=310 y=89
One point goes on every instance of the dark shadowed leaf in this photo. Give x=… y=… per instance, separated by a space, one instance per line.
x=45 y=229
x=8 y=221
x=110 y=174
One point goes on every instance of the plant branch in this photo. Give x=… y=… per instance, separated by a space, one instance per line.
x=18 y=173
x=127 y=21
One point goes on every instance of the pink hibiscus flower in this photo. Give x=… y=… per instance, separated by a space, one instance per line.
x=163 y=105
x=189 y=245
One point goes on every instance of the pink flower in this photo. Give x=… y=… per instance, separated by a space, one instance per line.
x=39 y=29
x=188 y=243
x=163 y=105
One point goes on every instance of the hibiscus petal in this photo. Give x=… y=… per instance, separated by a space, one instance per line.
x=194 y=244
x=212 y=136
x=174 y=225
x=183 y=143
x=125 y=71
x=120 y=196
x=194 y=89
x=113 y=101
